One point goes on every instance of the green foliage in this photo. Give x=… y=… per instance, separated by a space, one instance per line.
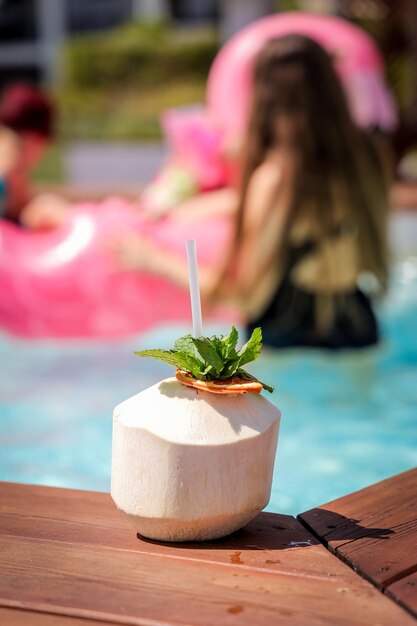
x=116 y=84
x=288 y=5
x=212 y=358
x=138 y=54
x=252 y=348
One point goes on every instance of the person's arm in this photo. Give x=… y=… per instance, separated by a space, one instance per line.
x=266 y=213
x=216 y=203
x=268 y=203
x=134 y=252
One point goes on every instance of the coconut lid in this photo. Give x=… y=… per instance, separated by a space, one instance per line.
x=185 y=415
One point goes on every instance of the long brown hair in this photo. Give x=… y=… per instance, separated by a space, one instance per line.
x=294 y=78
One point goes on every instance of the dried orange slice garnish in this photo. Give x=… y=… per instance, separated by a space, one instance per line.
x=228 y=385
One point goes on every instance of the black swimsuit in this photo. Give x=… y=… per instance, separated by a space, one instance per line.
x=289 y=319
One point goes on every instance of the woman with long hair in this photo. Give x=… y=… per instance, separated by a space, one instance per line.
x=311 y=212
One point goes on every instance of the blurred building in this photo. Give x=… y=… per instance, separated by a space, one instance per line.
x=32 y=31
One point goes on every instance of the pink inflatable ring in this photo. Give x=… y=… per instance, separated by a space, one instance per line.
x=357 y=60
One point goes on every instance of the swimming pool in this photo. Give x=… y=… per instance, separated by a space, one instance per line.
x=348 y=419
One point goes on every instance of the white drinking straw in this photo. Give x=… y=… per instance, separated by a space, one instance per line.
x=194 y=287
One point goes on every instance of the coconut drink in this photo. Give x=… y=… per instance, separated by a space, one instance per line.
x=193 y=455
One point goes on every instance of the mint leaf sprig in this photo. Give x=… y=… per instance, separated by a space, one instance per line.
x=212 y=358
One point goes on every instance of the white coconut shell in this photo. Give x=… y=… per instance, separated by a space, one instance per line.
x=189 y=465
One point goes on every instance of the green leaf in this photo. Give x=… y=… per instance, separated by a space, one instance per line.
x=194 y=365
x=185 y=344
x=245 y=374
x=217 y=343
x=177 y=359
x=230 y=369
x=229 y=344
x=167 y=356
x=208 y=352
x=252 y=348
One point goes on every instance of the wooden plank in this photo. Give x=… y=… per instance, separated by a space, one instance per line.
x=72 y=553
x=50 y=514
x=404 y=592
x=100 y=583
x=373 y=530
x=18 y=617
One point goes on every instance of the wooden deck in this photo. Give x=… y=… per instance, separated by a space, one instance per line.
x=69 y=558
x=375 y=532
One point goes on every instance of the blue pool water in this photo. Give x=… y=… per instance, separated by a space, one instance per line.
x=348 y=419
